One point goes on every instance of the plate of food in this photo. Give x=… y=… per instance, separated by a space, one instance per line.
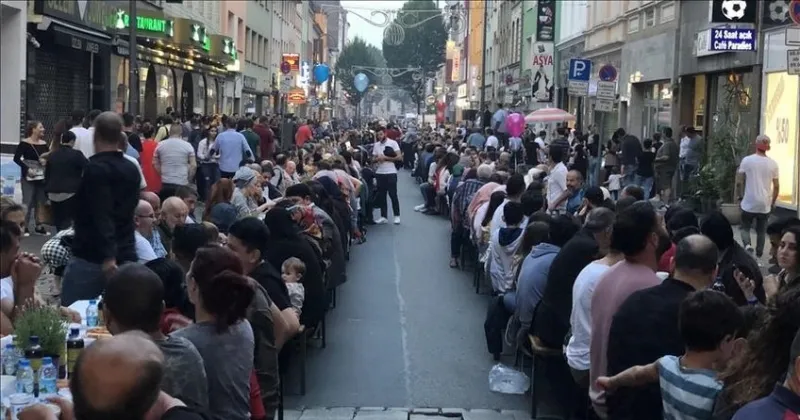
x=98 y=333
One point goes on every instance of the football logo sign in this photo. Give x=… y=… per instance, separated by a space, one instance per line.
x=734 y=9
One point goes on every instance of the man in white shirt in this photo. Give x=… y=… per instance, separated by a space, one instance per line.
x=759 y=175
x=144 y=218
x=499 y=123
x=174 y=159
x=557 y=192
x=84 y=138
x=491 y=140
x=386 y=176
x=123 y=145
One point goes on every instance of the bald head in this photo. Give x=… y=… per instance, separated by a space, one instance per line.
x=117 y=378
x=174 y=204
x=174 y=211
x=143 y=208
x=107 y=129
x=696 y=254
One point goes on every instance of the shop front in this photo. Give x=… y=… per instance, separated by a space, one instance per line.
x=462 y=102
x=180 y=66
x=567 y=51
x=73 y=54
x=256 y=96
x=780 y=116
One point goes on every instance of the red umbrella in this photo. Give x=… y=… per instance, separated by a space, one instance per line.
x=549 y=115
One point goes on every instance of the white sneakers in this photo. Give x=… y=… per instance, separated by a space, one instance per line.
x=383 y=220
x=420 y=207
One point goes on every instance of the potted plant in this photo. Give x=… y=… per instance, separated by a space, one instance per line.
x=729 y=142
x=44 y=322
x=706 y=193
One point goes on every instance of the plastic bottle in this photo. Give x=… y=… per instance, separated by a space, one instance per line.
x=10 y=360
x=100 y=320
x=25 y=377
x=91 y=314
x=18 y=403
x=48 y=376
x=75 y=346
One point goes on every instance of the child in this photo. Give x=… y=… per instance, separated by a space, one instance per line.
x=709 y=322
x=292 y=271
x=613 y=183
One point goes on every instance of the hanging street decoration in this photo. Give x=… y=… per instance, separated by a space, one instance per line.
x=321 y=73
x=361 y=82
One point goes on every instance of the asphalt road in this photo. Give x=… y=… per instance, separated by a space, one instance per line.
x=407 y=330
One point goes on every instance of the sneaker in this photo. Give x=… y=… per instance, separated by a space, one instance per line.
x=419 y=207
x=381 y=221
x=397 y=220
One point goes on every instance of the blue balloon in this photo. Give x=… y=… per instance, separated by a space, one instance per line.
x=321 y=73
x=361 y=82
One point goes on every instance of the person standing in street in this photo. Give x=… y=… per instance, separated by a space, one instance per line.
x=62 y=177
x=266 y=136
x=232 y=148
x=82 y=135
x=303 y=134
x=665 y=164
x=690 y=153
x=174 y=159
x=106 y=201
x=386 y=153
x=758 y=175
x=29 y=156
x=245 y=126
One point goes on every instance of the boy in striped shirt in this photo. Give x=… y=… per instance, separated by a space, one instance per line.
x=709 y=322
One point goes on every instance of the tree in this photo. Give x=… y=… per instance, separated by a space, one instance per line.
x=416 y=38
x=356 y=53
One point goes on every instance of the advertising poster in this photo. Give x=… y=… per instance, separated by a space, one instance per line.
x=542 y=66
x=780 y=122
x=546 y=20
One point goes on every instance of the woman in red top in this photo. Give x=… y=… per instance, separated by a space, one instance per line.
x=149 y=144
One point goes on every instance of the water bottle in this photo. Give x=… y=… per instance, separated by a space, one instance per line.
x=25 y=377
x=48 y=376
x=10 y=360
x=91 y=314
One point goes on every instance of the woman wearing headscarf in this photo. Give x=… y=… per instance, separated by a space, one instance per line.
x=341 y=209
x=481 y=197
x=247 y=195
x=286 y=241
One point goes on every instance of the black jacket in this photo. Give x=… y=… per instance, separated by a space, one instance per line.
x=106 y=201
x=64 y=170
x=551 y=319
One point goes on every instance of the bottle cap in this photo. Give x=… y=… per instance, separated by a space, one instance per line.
x=24 y=362
x=47 y=360
x=34 y=339
x=92 y=301
x=10 y=346
x=74 y=332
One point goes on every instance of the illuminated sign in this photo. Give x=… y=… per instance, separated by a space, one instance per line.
x=148 y=24
x=733 y=39
x=223 y=47
x=296 y=96
x=293 y=60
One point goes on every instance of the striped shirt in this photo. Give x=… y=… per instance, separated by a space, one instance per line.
x=687 y=394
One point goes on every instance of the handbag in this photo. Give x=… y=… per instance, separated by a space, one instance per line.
x=35 y=169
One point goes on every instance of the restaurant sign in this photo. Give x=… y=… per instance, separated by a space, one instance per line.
x=93 y=14
x=223 y=47
x=146 y=24
x=296 y=96
x=190 y=33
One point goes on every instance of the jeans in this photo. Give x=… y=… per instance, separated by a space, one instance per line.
x=33 y=196
x=761 y=230
x=387 y=185
x=458 y=237
x=209 y=175
x=368 y=175
x=82 y=280
x=630 y=175
x=408 y=154
x=428 y=194
x=510 y=301
x=646 y=183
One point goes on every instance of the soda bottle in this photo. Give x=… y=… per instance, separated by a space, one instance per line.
x=10 y=359
x=25 y=377
x=91 y=314
x=48 y=376
x=74 y=348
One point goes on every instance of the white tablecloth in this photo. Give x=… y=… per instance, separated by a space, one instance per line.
x=80 y=307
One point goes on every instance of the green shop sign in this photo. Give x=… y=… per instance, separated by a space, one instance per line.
x=147 y=24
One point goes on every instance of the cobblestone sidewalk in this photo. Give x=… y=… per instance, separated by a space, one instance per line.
x=399 y=413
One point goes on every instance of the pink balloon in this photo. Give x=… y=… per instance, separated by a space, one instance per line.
x=515 y=124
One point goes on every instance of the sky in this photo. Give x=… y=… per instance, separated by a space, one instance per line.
x=371 y=32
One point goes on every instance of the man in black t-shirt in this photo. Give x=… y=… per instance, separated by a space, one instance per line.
x=128 y=122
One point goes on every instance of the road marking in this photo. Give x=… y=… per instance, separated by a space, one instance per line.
x=401 y=309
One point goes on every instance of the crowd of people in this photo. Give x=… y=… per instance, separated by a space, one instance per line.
x=629 y=304
x=207 y=237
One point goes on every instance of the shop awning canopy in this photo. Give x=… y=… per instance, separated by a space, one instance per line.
x=549 y=115
x=74 y=36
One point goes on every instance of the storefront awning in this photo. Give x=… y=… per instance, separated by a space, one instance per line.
x=73 y=36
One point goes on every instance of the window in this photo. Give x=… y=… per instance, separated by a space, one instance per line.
x=667 y=12
x=248 y=46
x=649 y=17
x=633 y=24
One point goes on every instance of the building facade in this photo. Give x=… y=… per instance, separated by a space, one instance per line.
x=572 y=19
x=508 y=53
x=258 y=83
x=475 y=53
x=14 y=44
x=233 y=24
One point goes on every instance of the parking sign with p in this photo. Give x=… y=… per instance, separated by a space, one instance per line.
x=580 y=72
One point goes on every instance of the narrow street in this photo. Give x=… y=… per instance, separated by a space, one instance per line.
x=407 y=330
